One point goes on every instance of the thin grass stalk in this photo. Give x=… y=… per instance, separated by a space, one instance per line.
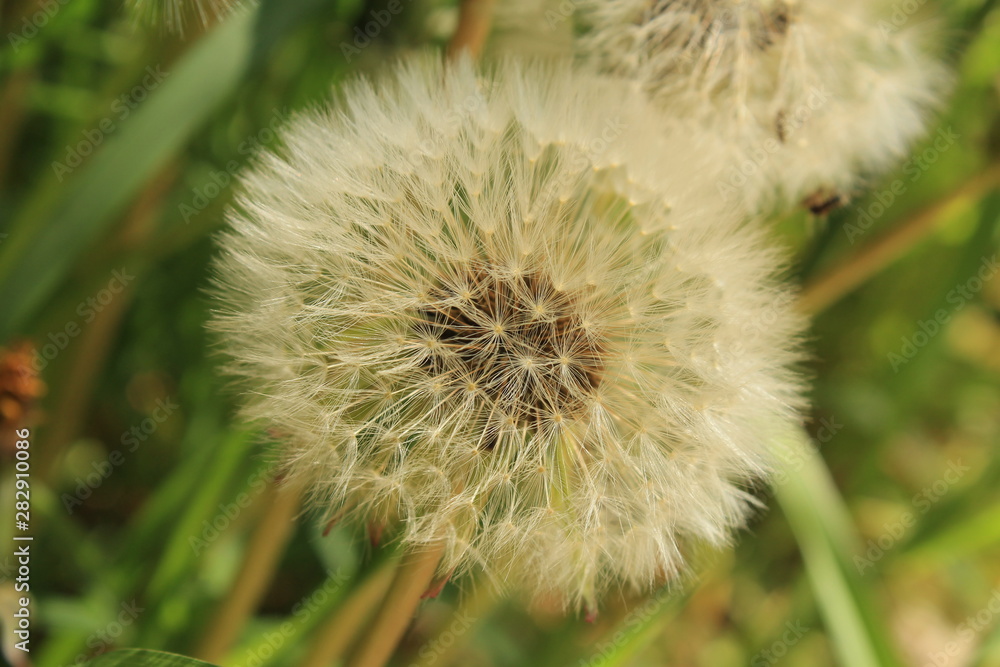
x=851 y=274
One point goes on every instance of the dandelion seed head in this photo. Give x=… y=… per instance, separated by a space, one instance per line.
x=474 y=319
x=806 y=98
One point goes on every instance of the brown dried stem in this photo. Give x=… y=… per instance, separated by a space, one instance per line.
x=413 y=577
x=843 y=279
x=262 y=557
x=334 y=637
x=475 y=17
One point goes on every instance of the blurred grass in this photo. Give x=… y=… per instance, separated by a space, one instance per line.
x=822 y=526
x=130 y=540
x=48 y=238
x=145 y=658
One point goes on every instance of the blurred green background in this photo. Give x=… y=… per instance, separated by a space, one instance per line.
x=119 y=147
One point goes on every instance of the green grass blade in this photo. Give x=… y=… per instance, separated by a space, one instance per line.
x=969 y=536
x=144 y=658
x=40 y=252
x=822 y=527
x=173 y=572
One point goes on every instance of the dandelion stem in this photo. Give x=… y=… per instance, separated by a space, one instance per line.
x=262 y=556
x=413 y=577
x=474 y=20
x=334 y=637
x=842 y=279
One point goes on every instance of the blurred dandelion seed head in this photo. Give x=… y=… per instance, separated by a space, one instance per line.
x=805 y=96
x=474 y=324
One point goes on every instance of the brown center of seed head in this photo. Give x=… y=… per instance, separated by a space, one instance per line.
x=518 y=340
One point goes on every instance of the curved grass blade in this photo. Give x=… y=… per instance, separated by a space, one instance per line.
x=822 y=527
x=44 y=246
x=143 y=658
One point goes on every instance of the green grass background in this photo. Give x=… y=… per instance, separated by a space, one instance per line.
x=146 y=202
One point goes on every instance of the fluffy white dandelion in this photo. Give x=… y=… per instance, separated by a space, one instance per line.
x=807 y=97
x=175 y=14
x=492 y=316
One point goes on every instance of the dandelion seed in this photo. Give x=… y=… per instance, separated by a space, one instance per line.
x=538 y=426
